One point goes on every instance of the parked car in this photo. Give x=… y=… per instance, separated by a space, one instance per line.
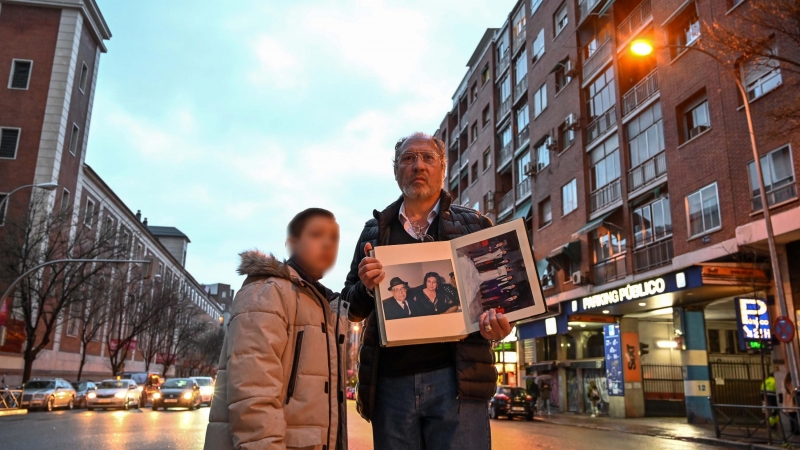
x=49 y=394
x=206 y=389
x=115 y=394
x=81 y=389
x=511 y=401
x=148 y=382
x=177 y=392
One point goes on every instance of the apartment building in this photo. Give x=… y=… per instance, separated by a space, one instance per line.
x=636 y=179
x=51 y=51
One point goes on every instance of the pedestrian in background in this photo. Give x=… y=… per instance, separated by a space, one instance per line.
x=279 y=383
x=594 y=397
x=546 y=390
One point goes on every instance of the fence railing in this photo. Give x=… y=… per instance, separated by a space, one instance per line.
x=523 y=188
x=606 y=195
x=505 y=155
x=505 y=107
x=10 y=399
x=596 y=60
x=758 y=424
x=634 y=21
x=523 y=137
x=601 y=124
x=520 y=88
x=654 y=255
x=504 y=61
x=610 y=270
x=647 y=171
x=505 y=204
x=643 y=90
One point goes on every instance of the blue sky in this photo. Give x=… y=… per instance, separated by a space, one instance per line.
x=224 y=119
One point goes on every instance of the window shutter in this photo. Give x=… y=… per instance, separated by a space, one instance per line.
x=8 y=143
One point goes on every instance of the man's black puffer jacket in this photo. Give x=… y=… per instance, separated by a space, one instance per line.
x=475 y=371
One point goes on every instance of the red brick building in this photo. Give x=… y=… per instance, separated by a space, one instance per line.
x=635 y=176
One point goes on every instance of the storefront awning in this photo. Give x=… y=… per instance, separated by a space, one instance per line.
x=540 y=367
x=561 y=256
x=592 y=225
x=523 y=211
x=596 y=363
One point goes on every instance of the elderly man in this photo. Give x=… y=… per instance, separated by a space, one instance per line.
x=397 y=306
x=429 y=396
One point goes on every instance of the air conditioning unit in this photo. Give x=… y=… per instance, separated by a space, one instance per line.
x=697 y=130
x=530 y=168
x=578 y=278
x=569 y=70
x=573 y=123
x=552 y=145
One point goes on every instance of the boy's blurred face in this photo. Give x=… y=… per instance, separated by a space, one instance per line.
x=318 y=245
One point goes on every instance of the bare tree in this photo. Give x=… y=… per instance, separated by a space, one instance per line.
x=202 y=354
x=181 y=325
x=43 y=233
x=90 y=313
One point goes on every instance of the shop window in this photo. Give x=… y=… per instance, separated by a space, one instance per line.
x=572 y=348
x=714 y=341
x=594 y=346
x=778 y=172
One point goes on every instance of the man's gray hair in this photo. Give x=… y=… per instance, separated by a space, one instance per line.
x=418 y=134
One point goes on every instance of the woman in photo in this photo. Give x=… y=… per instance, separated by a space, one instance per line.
x=432 y=298
x=280 y=351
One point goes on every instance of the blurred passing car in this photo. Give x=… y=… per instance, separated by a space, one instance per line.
x=114 y=394
x=48 y=394
x=176 y=393
x=511 y=401
x=206 y=389
x=81 y=389
x=148 y=382
x=351 y=393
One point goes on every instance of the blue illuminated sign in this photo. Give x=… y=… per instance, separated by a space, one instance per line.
x=614 y=372
x=752 y=323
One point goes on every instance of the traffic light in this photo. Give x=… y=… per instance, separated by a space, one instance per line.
x=643 y=348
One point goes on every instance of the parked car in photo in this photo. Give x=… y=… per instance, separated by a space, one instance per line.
x=148 y=382
x=177 y=393
x=114 y=394
x=511 y=401
x=49 y=394
x=206 y=389
x=81 y=389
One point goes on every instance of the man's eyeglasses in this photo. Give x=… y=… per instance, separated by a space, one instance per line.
x=399 y=289
x=409 y=158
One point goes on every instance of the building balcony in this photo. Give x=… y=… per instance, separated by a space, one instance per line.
x=506 y=204
x=585 y=7
x=638 y=94
x=454 y=138
x=520 y=88
x=601 y=124
x=503 y=63
x=523 y=189
x=597 y=59
x=454 y=169
x=653 y=255
x=505 y=155
x=647 y=171
x=610 y=269
x=505 y=107
x=523 y=137
x=519 y=41
x=606 y=195
x=635 y=21
x=464 y=123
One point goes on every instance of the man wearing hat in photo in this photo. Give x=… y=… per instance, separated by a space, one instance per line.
x=397 y=306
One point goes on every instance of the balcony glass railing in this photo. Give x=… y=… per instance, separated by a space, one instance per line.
x=454 y=169
x=647 y=171
x=523 y=137
x=610 y=269
x=638 y=94
x=523 y=189
x=634 y=22
x=505 y=155
x=520 y=88
x=504 y=61
x=519 y=40
x=464 y=123
x=606 y=195
x=654 y=255
x=505 y=204
x=505 y=107
x=454 y=138
x=601 y=124
x=597 y=58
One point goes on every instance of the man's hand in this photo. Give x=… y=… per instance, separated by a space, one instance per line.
x=497 y=323
x=370 y=270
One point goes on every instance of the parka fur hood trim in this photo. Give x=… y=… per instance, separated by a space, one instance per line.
x=259 y=264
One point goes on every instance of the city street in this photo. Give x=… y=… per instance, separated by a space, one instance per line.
x=181 y=429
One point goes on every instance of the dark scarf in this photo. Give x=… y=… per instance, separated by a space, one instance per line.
x=329 y=295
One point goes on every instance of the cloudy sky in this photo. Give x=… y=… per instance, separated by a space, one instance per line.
x=224 y=119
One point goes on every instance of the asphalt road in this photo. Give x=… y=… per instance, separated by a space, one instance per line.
x=182 y=429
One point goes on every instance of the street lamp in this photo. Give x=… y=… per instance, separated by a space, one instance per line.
x=49 y=186
x=644 y=47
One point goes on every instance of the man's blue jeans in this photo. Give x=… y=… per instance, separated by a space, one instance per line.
x=423 y=412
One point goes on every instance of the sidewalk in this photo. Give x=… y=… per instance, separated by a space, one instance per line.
x=674 y=428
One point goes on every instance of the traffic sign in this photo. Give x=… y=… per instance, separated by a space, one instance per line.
x=784 y=329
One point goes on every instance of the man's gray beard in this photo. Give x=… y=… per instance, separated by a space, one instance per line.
x=414 y=193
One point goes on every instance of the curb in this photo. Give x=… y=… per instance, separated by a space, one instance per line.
x=13 y=412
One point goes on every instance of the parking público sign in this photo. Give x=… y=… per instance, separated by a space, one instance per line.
x=752 y=322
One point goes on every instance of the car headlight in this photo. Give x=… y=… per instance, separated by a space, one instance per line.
x=139 y=388
x=120 y=394
x=156 y=395
x=207 y=390
x=91 y=395
x=187 y=395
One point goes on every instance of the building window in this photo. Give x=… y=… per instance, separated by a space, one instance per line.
x=540 y=100
x=561 y=19
x=138 y=254
x=73 y=139
x=474 y=173
x=523 y=117
x=84 y=77
x=652 y=222
x=505 y=137
x=600 y=36
x=9 y=142
x=522 y=167
x=88 y=215
x=545 y=213
x=695 y=116
x=604 y=160
x=519 y=22
x=761 y=75
x=65 y=201
x=75 y=312
x=3 y=208
x=474 y=131
x=502 y=48
x=125 y=241
x=520 y=68
x=505 y=89
x=601 y=94
x=563 y=74
x=548 y=277
x=684 y=30
x=608 y=243
x=543 y=153
x=702 y=208
x=566 y=133
x=20 y=74
x=486 y=116
x=538 y=46
x=569 y=197
x=474 y=92
x=778 y=172
x=487 y=158
x=645 y=135
x=535 y=4
x=486 y=75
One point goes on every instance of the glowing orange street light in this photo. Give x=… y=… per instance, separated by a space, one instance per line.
x=641 y=47
x=355 y=328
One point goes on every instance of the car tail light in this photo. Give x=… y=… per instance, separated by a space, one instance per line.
x=503 y=397
x=528 y=398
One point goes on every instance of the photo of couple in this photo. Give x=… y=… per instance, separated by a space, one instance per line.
x=495 y=275
x=434 y=295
